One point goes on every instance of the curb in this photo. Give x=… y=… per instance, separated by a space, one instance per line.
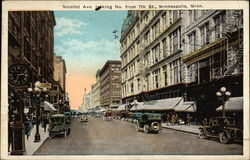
x=180 y=130
x=40 y=146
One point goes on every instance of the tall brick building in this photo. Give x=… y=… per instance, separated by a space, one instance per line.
x=110 y=84
x=31 y=42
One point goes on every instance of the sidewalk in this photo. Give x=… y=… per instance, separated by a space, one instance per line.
x=194 y=129
x=30 y=145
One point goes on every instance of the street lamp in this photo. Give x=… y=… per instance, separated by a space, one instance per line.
x=224 y=95
x=37 y=92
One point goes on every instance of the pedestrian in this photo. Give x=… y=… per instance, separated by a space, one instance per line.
x=189 y=118
x=173 y=119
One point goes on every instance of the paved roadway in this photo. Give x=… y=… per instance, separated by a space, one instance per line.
x=115 y=137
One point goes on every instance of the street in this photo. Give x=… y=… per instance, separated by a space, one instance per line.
x=115 y=137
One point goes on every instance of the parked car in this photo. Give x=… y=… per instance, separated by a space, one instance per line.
x=107 y=115
x=135 y=116
x=84 y=118
x=148 y=122
x=68 y=116
x=223 y=128
x=58 y=125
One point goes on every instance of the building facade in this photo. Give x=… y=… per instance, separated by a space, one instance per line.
x=182 y=53
x=96 y=91
x=151 y=55
x=31 y=42
x=60 y=71
x=87 y=101
x=110 y=84
x=212 y=55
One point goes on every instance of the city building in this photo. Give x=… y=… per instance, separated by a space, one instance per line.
x=87 y=101
x=151 y=53
x=182 y=53
x=60 y=71
x=58 y=91
x=110 y=84
x=212 y=55
x=31 y=42
x=96 y=91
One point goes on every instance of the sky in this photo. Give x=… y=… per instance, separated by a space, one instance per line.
x=85 y=39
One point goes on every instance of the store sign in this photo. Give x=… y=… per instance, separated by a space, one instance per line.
x=45 y=85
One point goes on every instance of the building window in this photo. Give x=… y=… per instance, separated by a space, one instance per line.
x=192 y=41
x=146 y=59
x=163 y=18
x=164 y=45
x=175 y=39
x=165 y=75
x=218 y=22
x=147 y=38
x=204 y=30
x=138 y=84
x=156 y=53
x=147 y=81
x=193 y=73
x=132 y=88
x=156 y=78
x=175 y=71
x=155 y=29
x=204 y=70
x=175 y=15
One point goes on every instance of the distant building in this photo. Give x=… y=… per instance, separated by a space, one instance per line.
x=96 y=91
x=87 y=101
x=110 y=84
x=60 y=71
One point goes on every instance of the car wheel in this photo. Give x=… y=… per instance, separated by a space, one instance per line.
x=146 y=128
x=224 y=138
x=201 y=133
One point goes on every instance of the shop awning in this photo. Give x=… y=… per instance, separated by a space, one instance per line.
x=48 y=106
x=233 y=104
x=120 y=108
x=188 y=106
x=163 y=105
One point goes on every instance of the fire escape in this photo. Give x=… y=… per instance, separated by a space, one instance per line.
x=234 y=64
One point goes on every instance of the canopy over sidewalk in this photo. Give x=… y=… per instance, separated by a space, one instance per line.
x=163 y=105
x=48 y=106
x=233 y=104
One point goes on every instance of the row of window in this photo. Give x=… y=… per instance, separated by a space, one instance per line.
x=163 y=76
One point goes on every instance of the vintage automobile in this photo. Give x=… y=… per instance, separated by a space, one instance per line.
x=223 y=128
x=68 y=116
x=84 y=118
x=148 y=122
x=58 y=125
x=107 y=115
x=135 y=116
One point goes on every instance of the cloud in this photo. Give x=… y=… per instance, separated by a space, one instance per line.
x=86 y=57
x=68 y=26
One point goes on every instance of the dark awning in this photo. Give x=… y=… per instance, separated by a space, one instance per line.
x=233 y=104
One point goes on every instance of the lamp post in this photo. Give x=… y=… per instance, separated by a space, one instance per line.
x=37 y=91
x=224 y=95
